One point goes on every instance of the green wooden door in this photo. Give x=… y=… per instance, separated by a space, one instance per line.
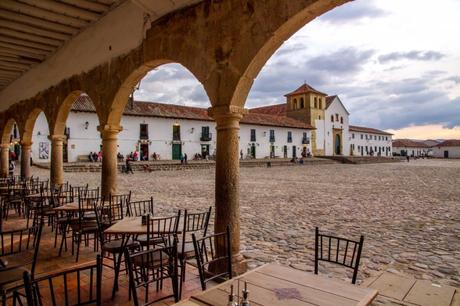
x=176 y=151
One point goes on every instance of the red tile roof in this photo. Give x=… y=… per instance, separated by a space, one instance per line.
x=305 y=88
x=276 y=110
x=154 y=109
x=408 y=143
x=363 y=129
x=449 y=143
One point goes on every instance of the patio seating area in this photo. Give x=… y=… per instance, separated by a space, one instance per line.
x=72 y=245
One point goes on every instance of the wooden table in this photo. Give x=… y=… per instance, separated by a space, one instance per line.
x=73 y=207
x=131 y=226
x=274 y=285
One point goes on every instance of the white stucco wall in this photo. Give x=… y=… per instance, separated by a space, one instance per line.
x=84 y=139
x=334 y=108
x=40 y=139
x=371 y=140
x=412 y=151
x=453 y=152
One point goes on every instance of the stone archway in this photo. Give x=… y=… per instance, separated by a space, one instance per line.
x=5 y=146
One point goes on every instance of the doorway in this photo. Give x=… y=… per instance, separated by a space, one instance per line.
x=285 y=152
x=253 y=150
x=337 y=145
x=294 y=151
x=446 y=154
x=176 y=151
x=144 y=151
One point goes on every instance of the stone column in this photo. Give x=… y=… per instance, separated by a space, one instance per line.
x=109 y=135
x=57 y=166
x=5 y=156
x=227 y=189
x=25 y=159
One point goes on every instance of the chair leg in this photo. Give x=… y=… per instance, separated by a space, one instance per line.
x=79 y=236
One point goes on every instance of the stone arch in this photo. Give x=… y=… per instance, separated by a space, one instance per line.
x=121 y=97
x=296 y=15
x=30 y=124
x=57 y=126
x=7 y=130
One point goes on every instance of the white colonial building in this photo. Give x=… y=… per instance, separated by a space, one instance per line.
x=413 y=148
x=447 y=149
x=309 y=122
x=168 y=131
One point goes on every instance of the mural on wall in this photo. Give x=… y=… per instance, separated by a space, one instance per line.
x=43 y=150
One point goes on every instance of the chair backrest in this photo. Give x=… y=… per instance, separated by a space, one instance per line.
x=195 y=223
x=338 y=250
x=118 y=206
x=59 y=288
x=139 y=208
x=151 y=266
x=19 y=240
x=213 y=251
x=79 y=190
x=162 y=227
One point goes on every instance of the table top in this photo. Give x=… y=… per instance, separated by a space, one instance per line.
x=73 y=206
x=274 y=285
x=130 y=226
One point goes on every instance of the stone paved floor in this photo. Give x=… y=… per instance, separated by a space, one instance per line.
x=408 y=212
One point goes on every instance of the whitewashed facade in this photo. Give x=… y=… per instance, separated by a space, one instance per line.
x=336 y=125
x=447 y=149
x=370 y=142
x=408 y=147
x=84 y=138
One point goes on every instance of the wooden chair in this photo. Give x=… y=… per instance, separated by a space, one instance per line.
x=158 y=230
x=196 y=223
x=139 y=208
x=153 y=266
x=338 y=250
x=213 y=255
x=58 y=288
x=84 y=225
x=10 y=274
x=106 y=216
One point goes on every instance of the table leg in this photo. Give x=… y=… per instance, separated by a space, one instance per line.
x=124 y=243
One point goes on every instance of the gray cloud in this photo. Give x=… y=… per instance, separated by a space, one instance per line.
x=411 y=55
x=353 y=11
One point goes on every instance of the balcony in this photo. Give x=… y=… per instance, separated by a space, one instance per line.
x=206 y=137
x=305 y=140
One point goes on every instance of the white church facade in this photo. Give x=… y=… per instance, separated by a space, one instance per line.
x=310 y=122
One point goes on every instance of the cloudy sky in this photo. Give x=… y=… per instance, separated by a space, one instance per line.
x=395 y=65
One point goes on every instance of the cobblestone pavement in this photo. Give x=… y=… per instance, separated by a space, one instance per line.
x=409 y=213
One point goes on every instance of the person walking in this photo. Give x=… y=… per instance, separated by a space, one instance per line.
x=182 y=159
x=129 y=169
x=185 y=158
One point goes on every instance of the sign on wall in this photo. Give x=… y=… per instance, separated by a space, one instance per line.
x=43 y=150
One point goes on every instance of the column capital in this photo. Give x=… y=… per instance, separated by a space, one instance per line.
x=109 y=131
x=57 y=137
x=227 y=116
x=25 y=144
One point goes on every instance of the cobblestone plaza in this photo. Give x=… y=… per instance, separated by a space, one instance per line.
x=408 y=212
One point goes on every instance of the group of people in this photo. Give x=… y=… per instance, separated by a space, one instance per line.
x=95 y=157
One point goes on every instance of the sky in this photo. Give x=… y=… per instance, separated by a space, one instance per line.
x=394 y=64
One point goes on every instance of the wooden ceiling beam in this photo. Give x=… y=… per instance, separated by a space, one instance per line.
x=25 y=43
x=41 y=13
x=30 y=37
x=14 y=65
x=89 y=5
x=17 y=59
x=10 y=68
x=33 y=30
x=26 y=54
x=37 y=22
x=61 y=8
x=9 y=73
x=11 y=46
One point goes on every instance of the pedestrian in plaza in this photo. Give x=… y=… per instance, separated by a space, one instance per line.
x=90 y=156
x=241 y=154
x=129 y=169
x=182 y=159
x=185 y=158
x=408 y=158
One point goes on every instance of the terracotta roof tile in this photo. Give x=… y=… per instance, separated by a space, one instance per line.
x=305 y=88
x=449 y=143
x=154 y=109
x=329 y=100
x=363 y=129
x=408 y=143
x=276 y=110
